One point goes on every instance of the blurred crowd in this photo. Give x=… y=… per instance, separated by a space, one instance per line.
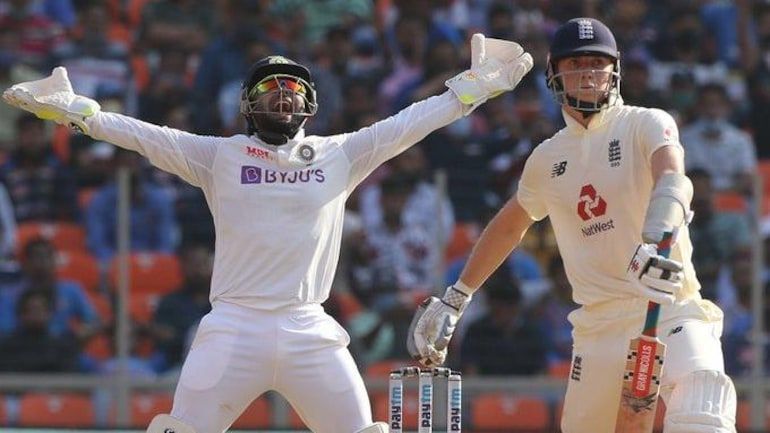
x=410 y=226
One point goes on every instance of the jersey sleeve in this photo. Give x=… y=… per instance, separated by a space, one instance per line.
x=189 y=156
x=657 y=129
x=528 y=194
x=369 y=147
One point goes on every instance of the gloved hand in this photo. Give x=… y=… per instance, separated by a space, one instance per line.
x=52 y=98
x=657 y=278
x=497 y=66
x=433 y=325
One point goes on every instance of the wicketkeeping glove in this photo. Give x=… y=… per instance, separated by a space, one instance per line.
x=52 y=98
x=655 y=277
x=497 y=66
x=433 y=325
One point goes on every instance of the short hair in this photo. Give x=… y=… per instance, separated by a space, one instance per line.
x=29 y=294
x=37 y=242
x=717 y=88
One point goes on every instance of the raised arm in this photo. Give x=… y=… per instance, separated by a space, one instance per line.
x=186 y=155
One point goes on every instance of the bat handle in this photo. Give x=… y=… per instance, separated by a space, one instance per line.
x=653 y=308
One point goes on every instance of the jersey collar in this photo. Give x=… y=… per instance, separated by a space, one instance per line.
x=596 y=121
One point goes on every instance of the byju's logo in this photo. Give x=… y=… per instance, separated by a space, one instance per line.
x=591 y=204
x=252 y=175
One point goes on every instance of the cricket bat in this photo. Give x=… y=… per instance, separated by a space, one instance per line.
x=644 y=366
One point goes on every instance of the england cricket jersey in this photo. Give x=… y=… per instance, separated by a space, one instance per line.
x=277 y=210
x=595 y=184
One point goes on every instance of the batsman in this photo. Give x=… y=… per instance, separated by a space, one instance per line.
x=612 y=183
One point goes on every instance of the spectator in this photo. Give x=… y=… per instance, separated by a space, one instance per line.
x=69 y=301
x=505 y=341
x=7 y=232
x=754 y=40
x=718 y=147
x=153 y=224
x=36 y=35
x=12 y=70
x=738 y=318
x=716 y=236
x=41 y=187
x=180 y=311
x=425 y=207
x=178 y=25
x=636 y=88
x=32 y=347
x=554 y=309
x=93 y=60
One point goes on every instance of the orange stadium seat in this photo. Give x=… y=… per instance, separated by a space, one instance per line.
x=559 y=369
x=257 y=415
x=730 y=202
x=763 y=168
x=501 y=411
x=145 y=406
x=3 y=412
x=84 y=197
x=78 y=266
x=65 y=236
x=150 y=273
x=99 y=348
x=60 y=410
x=462 y=240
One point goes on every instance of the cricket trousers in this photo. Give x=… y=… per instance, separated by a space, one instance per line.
x=239 y=353
x=691 y=329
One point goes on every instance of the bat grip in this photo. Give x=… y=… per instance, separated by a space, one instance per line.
x=653 y=308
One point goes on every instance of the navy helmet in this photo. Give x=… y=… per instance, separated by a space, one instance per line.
x=284 y=75
x=583 y=37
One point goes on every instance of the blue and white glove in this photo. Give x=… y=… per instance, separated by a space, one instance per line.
x=657 y=278
x=497 y=66
x=52 y=98
x=433 y=324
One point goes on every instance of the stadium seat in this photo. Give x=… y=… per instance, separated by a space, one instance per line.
x=460 y=243
x=502 y=411
x=65 y=236
x=560 y=369
x=150 y=273
x=3 y=412
x=78 y=266
x=257 y=415
x=84 y=197
x=381 y=407
x=145 y=406
x=730 y=202
x=100 y=348
x=763 y=168
x=60 y=410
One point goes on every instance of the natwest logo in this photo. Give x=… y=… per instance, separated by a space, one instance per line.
x=591 y=205
x=254 y=175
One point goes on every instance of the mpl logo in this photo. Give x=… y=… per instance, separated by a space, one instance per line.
x=591 y=204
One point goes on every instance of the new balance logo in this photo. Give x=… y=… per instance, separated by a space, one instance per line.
x=585 y=29
x=676 y=330
x=614 y=153
x=558 y=169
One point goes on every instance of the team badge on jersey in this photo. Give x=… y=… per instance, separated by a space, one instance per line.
x=306 y=153
x=614 y=153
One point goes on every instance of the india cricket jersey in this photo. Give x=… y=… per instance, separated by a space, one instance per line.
x=277 y=210
x=595 y=184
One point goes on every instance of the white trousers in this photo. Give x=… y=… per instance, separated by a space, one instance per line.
x=239 y=353
x=690 y=329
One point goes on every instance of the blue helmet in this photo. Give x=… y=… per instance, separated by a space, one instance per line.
x=583 y=37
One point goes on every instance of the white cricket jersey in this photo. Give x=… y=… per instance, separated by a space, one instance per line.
x=595 y=185
x=278 y=221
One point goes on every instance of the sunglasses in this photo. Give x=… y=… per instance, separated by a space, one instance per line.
x=272 y=83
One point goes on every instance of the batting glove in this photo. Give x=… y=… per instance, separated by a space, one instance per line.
x=52 y=98
x=497 y=66
x=657 y=278
x=433 y=324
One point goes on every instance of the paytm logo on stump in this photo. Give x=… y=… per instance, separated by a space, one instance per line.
x=251 y=175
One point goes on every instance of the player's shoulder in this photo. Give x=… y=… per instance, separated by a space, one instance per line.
x=644 y=114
